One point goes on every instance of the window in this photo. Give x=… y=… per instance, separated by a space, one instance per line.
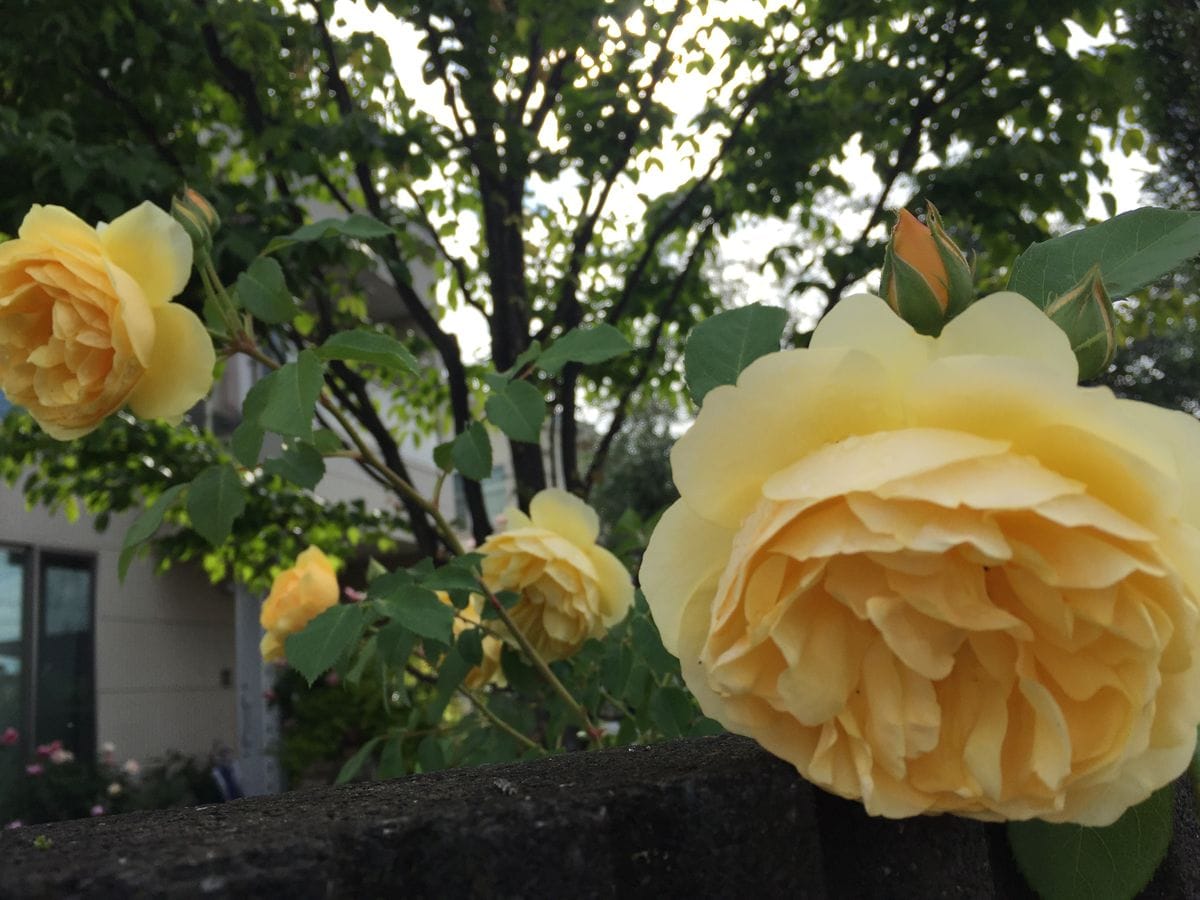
x=47 y=647
x=497 y=496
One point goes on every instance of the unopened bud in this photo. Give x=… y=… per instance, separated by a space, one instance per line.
x=1085 y=313
x=197 y=217
x=926 y=278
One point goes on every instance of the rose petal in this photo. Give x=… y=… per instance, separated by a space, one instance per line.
x=180 y=372
x=559 y=511
x=153 y=248
x=679 y=571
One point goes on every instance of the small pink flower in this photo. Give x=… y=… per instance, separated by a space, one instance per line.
x=58 y=756
x=132 y=767
x=46 y=750
x=15 y=823
x=353 y=595
x=98 y=810
x=9 y=737
x=33 y=769
x=333 y=679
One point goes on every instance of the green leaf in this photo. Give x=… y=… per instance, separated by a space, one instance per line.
x=215 y=499
x=391 y=760
x=451 y=578
x=355 y=226
x=354 y=763
x=262 y=290
x=1133 y=250
x=246 y=442
x=301 y=464
x=518 y=672
x=472 y=452
x=420 y=611
x=518 y=409
x=362 y=659
x=314 y=650
x=395 y=643
x=451 y=672
x=508 y=599
x=583 y=345
x=1071 y=862
x=327 y=441
x=145 y=525
x=443 y=456
x=529 y=355
x=470 y=645
x=720 y=347
x=363 y=345
x=289 y=396
x=430 y=755
x=671 y=711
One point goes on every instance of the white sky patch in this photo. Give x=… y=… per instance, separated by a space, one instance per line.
x=741 y=254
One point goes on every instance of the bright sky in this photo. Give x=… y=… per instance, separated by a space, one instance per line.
x=742 y=252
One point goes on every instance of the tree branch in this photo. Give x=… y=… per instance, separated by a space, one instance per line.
x=456 y=262
x=567 y=312
x=645 y=358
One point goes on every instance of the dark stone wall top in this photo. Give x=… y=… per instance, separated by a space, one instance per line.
x=713 y=817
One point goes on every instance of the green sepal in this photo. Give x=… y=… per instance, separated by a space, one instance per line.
x=913 y=299
x=960 y=280
x=1086 y=314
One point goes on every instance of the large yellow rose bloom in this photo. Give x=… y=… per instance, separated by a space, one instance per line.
x=571 y=588
x=298 y=595
x=935 y=573
x=86 y=322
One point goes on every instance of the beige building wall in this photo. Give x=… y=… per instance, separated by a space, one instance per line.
x=165 y=646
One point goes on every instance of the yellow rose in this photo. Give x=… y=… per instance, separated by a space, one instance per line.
x=938 y=575
x=298 y=595
x=471 y=616
x=571 y=589
x=86 y=322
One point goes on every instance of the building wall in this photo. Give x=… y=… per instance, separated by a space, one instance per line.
x=165 y=650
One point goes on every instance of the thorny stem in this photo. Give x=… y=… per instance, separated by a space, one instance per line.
x=481 y=707
x=594 y=733
x=215 y=292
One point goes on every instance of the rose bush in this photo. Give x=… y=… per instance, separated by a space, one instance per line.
x=571 y=588
x=935 y=573
x=86 y=322
x=298 y=595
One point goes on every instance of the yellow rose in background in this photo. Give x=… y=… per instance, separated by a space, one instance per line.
x=935 y=573
x=471 y=616
x=571 y=589
x=86 y=322
x=298 y=595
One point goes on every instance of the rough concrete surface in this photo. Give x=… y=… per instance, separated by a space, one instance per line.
x=712 y=817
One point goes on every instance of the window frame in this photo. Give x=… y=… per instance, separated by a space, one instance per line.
x=37 y=558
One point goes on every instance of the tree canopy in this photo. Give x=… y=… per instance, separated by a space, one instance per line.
x=513 y=188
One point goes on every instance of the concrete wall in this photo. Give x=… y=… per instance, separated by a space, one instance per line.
x=710 y=817
x=165 y=654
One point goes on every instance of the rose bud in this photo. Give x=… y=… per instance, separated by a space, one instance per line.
x=1085 y=313
x=926 y=278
